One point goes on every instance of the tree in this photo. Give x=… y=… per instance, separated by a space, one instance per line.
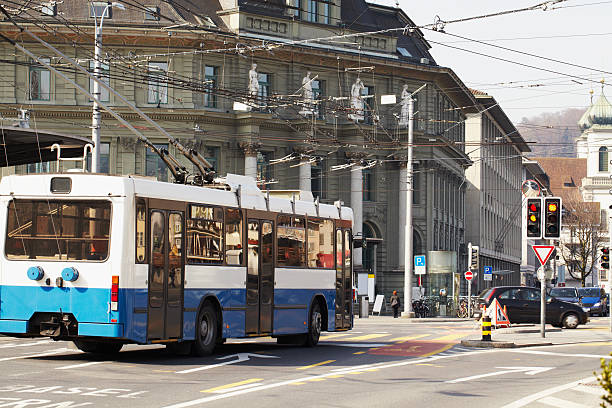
x=605 y=380
x=584 y=233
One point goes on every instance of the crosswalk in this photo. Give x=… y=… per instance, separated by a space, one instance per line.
x=585 y=393
x=384 y=337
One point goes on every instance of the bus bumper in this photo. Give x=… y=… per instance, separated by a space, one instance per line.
x=13 y=326
x=85 y=329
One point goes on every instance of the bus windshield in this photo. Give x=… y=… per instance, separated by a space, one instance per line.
x=57 y=230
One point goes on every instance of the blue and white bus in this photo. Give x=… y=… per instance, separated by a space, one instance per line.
x=108 y=260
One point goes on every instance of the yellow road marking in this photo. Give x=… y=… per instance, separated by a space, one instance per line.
x=163 y=371
x=336 y=376
x=298 y=383
x=317 y=379
x=417 y=336
x=429 y=365
x=371 y=369
x=356 y=373
x=438 y=351
x=368 y=336
x=596 y=343
x=451 y=337
x=359 y=352
x=232 y=385
x=315 y=365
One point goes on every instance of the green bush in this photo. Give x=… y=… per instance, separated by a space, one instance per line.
x=605 y=380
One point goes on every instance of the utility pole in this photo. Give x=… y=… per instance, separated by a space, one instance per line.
x=610 y=272
x=96 y=115
x=408 y=255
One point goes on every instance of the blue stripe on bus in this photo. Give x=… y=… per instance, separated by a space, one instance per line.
x=90 y=306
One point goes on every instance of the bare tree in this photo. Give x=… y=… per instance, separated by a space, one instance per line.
x=584 y=232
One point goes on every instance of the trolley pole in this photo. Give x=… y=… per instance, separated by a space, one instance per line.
x=408 y=255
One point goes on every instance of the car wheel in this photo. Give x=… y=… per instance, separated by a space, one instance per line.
x=206 y=331
x=571 y=321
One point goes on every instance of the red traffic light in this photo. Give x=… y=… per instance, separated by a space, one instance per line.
x=533 y=207
x=605 y=251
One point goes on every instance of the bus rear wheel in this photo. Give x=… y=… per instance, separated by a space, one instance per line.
x=206 y=331
x=98 y=347
x=314 y=326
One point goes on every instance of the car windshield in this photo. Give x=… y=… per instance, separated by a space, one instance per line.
x=484 y=293
x=563 y=292
x=589 y=292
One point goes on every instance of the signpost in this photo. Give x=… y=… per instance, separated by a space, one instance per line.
x=543 y=252
x=420 y=266
x=468 y=277
x=488 y=273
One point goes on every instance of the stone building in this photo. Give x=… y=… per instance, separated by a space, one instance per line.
x=186 y=64
x=493 y=198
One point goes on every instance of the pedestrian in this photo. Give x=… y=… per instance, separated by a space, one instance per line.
x=395 y=304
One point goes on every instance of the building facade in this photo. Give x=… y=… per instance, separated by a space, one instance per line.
x=243 y=83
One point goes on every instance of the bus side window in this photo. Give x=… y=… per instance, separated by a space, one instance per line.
x=233 y=236
x=141 y=223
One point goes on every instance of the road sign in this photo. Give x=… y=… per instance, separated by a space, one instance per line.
x=488 y=273
x=420 y=265
x=468 y=275
x=543 y=252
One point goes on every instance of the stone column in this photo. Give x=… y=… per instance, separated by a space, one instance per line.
x=357 y=206
x=250 y=158
x=305 y=174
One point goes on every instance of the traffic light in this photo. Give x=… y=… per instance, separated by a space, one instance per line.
x=605 y=258
x=534 y=218
x=552 y=217
x=473 y=261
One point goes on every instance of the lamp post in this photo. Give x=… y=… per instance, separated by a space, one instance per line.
x=96 y=116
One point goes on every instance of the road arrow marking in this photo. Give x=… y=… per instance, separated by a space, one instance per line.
x=241 y=357
x=505 y=370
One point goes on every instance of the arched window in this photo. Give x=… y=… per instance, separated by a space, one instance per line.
x=603 y=158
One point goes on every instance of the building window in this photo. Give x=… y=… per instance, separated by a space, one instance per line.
x=154 y=166
x=104 y=77
x=96 y=8
x=264 y=169
x=603 y=158
x=40 y=81
x=158 y=84
x=318 y=187
x=367 y=104
x=212 y=155
x=368 y=194
x=318 y=92
x=416 y=185
x=325 y=14
x=264 y=87
x=151 y=13
x=210 y=76
x=294 y=7
x=104 y=158
x=49 y=9
x=311 y=14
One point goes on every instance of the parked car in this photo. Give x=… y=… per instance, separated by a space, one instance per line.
x=565 y=294
x=523 y=306
x=595 y=299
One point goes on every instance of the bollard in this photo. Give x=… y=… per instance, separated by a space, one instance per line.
x=486 y=328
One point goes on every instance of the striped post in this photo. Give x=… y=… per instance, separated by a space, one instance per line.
x=486 y=328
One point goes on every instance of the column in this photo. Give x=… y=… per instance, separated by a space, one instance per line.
x=305 y=174
x=357 y=206
x=250 y=158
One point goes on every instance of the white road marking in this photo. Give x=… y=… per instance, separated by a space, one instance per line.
x=36 y=343
x=538 y=395
x=81 y=365
x=560 y=403
x=331 y=374
x=590 y=390
x=241 y=357
x=550 y=353
x=507 y=370
x=48 y=353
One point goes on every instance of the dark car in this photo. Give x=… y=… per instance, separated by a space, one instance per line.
x=523 y=306
x=565 y=294
x=595 y=299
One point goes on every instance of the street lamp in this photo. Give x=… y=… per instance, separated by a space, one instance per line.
x=95 y=119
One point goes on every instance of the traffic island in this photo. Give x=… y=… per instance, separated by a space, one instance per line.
x=500 y=344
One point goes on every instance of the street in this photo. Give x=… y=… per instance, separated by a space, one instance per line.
x=382 y=362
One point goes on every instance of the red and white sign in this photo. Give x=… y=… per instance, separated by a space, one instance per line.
x=543 y=252
x=468 y=275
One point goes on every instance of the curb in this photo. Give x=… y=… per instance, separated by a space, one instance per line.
x=500 y=344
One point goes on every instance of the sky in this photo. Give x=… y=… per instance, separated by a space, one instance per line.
x=573 y=31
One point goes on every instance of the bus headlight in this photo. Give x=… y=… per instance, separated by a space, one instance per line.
x=35 y=273
x=70 y=274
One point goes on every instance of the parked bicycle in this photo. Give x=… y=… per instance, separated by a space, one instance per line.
x=462 y=310
x=420 y=308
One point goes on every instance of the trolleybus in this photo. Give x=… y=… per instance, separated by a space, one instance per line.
x=105 y=261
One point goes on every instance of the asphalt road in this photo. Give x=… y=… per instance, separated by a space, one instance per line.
x=381 y=363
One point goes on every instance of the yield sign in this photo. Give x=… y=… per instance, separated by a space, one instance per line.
x=543 y=252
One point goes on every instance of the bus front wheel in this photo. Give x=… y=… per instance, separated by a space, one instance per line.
x=206 y=331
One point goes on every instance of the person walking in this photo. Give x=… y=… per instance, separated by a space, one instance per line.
x=395 y=304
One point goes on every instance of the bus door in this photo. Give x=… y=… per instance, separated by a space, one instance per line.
x=344 y=287
x=260 y=276
x=166 y=275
